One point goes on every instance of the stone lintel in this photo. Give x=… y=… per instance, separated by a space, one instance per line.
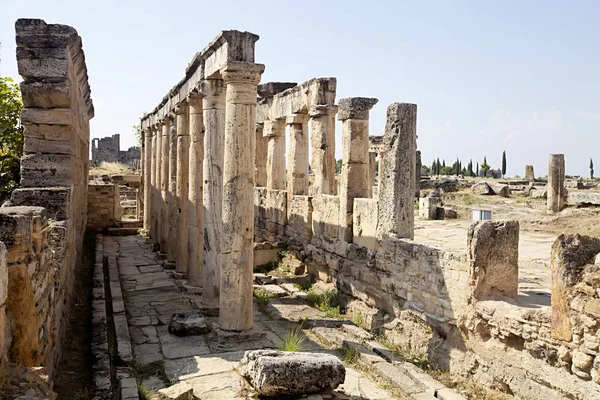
x=274 y=128
x=270 y=89
x=321 y=110
x=297 y=119
x=355 y=107
x=228 y=46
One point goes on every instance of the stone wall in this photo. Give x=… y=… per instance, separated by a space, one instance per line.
x=43 y=224
x=104 y=206
x=108 y=149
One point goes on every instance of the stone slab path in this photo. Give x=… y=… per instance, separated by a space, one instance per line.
x=151 y=295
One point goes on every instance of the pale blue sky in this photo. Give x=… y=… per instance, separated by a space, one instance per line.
x=487 y=76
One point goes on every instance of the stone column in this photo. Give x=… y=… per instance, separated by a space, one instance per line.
x=354 y=114
x=371 y=174
x=148 y=165
x=172 y=201
x=323 y=147
x=260 y=160
x=235 y=307
x=195 y=209
x=275 y=132
x=157 y=214
x=213 y=105
x=164 y=184
x=397 y=188
x=529 y=175
x=183 y=163
x=297 y=155
x=556 y=183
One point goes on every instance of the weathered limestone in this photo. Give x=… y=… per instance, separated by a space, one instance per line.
x=147 y=178
x=494 y=259
x=157 y=196
x=371 y=174
x=418 y=175
x=260 y=162
x=323 y=148
x=297 y=155
x=396 y=191
x=275 y=132
x=276 y=373
x=354 y=114
x=182 y=184
x=164 y=183
x=235 y=302
x=213 y=105
x=428 y=205
x=195 y=209
x=173 y=203
x=529 y=175
x=556 y=183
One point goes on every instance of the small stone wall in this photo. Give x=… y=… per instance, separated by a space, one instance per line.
x=104 y=206
x=270 y=214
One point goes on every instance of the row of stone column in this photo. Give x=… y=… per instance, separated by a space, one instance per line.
x=200 y=169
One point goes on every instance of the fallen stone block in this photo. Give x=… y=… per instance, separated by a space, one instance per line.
x=592 y=198
x=274 y=373
x=188 y=323
x=482 y=188
x=180 y=391
x=499 y=189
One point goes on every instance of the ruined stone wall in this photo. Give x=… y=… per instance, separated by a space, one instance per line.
x=131 y=157
x=104 y=206
x=43 y=224
x=106 y=149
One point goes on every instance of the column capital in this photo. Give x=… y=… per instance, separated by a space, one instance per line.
x=274 y=128
x=212 y=92
x=148 y=132
x=242 y=72
x=355 y=107
x=321 y=110
x=296 y=119
x=181 y=107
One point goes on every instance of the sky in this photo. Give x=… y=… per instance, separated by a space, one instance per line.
x=487 y=76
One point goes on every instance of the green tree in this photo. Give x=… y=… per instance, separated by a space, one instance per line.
x=447 y=170
x=477 y=173
x=591 y=169
x=485 y=166
x=432 y=169
x=438 y=168
x=424 y=170
x=338 y=166
x=443 y=163
x=11 y=134
x=503 y=163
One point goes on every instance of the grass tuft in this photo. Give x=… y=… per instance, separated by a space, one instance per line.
x=262 y=298
x=293 y=340
x=327 y=302
x=349 y=354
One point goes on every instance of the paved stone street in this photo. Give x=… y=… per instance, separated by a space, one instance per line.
x=206 y=362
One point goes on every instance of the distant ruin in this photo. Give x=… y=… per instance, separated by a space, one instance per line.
x=108 y=149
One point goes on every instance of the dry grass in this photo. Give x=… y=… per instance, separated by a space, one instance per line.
x=111 y=168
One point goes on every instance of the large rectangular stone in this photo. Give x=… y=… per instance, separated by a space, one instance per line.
x=56 y=200
x=46 y=94
x=35 y=145
x=51 y=116
x=43 y=170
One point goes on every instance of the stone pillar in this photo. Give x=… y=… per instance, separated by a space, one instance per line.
x=164 y=183
x=172 y=201
x=158 y=185
x=556 y=183
x=195 y=208
x=213 y=105
x=147 y=178
x=397 y=177
x=418 y=175
x=260 y=160
x=323 y=147
x=371 y=174
x=297 y=155
x=235 y=307
x=529 y=175
x=183 y=163
x=275 y=132
x=354 y=114
x=493 y=260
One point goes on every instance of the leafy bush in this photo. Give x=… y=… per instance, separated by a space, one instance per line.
x=11 y=135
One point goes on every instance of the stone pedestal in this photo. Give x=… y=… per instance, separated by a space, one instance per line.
x=147 y=177
x=529 y=175
x=195 y=209
x=275 y=132
x=397 y=178
x=323 y=148
x=297 y=155
x=354 y=114
x=556 y=183
x=182 y=184
x=235 y=302
x=213 y=104
x=260 y=157
x=172 y=201
x=428 y=207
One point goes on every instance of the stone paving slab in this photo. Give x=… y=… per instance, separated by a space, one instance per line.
x=190 y=367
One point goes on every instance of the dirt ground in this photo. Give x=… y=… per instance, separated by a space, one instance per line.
x=538 y=230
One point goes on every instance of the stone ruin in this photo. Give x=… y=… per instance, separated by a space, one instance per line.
x=108 y=149
x=218 y=190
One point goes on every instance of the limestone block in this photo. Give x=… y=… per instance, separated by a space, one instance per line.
x=51 y=116
x=43 y=62
x=188 y=323
x=55 y=200
x=179 y=391
x=365 y=223
x=35 y=33
x=584 y=198
x=326 y=215
x=300 y=212
x=499 y=189
x=355 y=108
x=556 y=183
x=428 y=207
x=46 y=94
x=482 y=188
x=276 y=205
x=275 y=373
x=35 y=145
x=41 y=170
x=539 y=194
x=270 y=89
x=494 y=259
x=529 y=174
